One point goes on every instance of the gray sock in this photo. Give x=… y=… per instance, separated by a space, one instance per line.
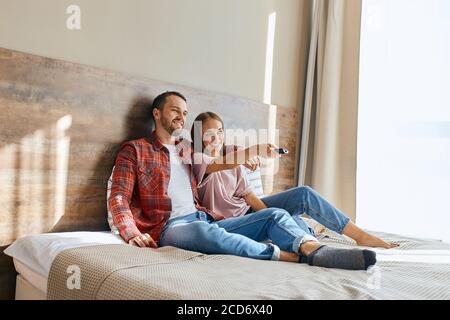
x=349 y=259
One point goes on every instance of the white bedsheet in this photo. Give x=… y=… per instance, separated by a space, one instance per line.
x=418 y=256
x=35 y=279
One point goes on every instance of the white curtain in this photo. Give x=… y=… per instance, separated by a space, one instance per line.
x=327 y=159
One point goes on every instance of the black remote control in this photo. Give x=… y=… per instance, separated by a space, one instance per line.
x=282 y=151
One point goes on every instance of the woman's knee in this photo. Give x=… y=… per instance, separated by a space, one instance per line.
x=280 y=214
x=306 y=189
x=303 y=190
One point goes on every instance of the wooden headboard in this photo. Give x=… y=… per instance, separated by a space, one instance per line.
x=61 y=124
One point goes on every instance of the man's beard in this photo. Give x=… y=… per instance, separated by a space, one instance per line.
x=167 y=125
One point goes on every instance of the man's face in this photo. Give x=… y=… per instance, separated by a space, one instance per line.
x=172 y=115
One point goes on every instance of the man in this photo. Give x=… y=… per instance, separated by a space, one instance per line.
x=154 y=202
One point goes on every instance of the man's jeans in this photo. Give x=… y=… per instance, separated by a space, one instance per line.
x=240 y=236
x=306 y=200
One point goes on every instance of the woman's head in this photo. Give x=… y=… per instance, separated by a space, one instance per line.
x=208 y=127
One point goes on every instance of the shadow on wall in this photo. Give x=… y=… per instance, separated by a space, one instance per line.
x=86 y=206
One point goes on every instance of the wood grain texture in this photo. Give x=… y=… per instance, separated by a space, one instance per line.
x=61 y=124
x=288 y=130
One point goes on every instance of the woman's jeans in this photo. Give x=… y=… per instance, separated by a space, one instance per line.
x=240 y=236
x=306 y=200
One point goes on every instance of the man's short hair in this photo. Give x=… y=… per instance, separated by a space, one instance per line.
x=160 y=100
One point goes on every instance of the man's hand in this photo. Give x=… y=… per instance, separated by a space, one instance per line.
x=253 y=164
x=144 y=240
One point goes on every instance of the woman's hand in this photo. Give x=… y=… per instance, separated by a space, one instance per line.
x=266 y=150
x=253 y=164
x=254 y=202
x=144 y=240
x=242 y=157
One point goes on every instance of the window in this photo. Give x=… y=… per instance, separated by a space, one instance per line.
x=403 y=176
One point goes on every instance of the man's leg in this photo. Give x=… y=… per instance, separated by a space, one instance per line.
x=202 y=235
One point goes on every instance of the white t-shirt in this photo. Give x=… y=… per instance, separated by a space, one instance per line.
x=180 y=190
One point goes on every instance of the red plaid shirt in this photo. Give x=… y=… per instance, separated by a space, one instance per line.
x=139 y=201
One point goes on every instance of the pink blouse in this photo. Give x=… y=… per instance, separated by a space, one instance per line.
x=222 y=191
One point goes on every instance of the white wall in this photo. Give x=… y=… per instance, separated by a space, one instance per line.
x=218 y=45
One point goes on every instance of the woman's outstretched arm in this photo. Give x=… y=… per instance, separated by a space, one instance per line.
x=235 y=159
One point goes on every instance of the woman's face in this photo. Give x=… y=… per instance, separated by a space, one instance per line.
x=213 y=136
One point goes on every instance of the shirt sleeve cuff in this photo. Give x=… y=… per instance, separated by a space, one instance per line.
x=130 y=232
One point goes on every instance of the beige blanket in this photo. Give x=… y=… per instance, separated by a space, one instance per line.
x=419 y=270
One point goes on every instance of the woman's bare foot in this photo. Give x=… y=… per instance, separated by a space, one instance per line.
x=363 y=238
x=369 y=240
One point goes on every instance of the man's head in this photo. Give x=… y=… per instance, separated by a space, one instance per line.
x=169 y=111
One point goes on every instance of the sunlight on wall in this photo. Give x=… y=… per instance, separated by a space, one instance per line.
x=271 y=24
x=62 y=144
x=30 y=178
x=8 y=155
x=34 y=180
x=270 y=167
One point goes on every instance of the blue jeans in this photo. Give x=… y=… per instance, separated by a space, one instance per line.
x=240 y=236
x=306 y=200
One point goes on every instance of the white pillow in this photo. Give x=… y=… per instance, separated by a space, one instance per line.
x=254 y=178
x=38 y=251
x=108 y=193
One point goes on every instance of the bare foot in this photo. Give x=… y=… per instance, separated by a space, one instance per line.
x=363 y=238
x=369 y=240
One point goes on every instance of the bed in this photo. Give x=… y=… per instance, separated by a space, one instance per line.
x=111 y=269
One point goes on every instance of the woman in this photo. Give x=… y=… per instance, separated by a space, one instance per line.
x=223 y=187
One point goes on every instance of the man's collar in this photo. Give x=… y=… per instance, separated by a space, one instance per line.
x=157 y=144
x=154 y=140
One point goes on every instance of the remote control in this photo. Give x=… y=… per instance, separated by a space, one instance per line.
x=282 y=151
